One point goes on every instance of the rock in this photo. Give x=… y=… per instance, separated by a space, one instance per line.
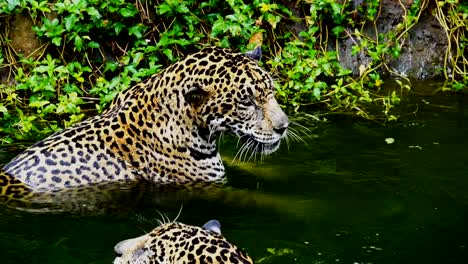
x=423 y=50
x=22 y=36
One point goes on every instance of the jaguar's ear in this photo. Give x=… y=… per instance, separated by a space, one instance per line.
x=213 y=226
x=255 y=54
x=195 y=95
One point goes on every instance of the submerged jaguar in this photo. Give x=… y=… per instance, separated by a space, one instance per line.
x=162 y=130
x=180 y=243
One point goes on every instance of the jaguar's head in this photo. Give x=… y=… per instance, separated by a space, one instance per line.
x=231 y=92
x=180 y=243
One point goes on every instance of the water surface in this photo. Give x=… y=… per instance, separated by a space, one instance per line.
x=346 y=196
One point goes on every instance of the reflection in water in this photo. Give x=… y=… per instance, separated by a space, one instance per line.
x=346 y=197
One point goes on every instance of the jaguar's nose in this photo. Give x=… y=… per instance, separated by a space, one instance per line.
x=280 y=130
x=281 y=125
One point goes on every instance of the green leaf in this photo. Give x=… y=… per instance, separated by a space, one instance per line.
x=12 y=4
x=317 y=93
x=137 y=58
x=38 y=104
x=355 y=49
x=93 y=13
x=57 y=41
x=338 y=30
x=164 y=8
x=70 y=88
x=396 y=52
x=70 y=21
x=129 y=11
x=458 y=86
x=118 y=26
x=93 y=44
x=42 y=68
x=272 y=20
x=111 y=66
x=137 y=30
x=219 y=26
x=3 y=109
x=78 y=42
x=336 y=7
x=168 y=53
x=181 y=8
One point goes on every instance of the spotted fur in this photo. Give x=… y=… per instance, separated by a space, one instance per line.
x=162 y=130
x=182 y=244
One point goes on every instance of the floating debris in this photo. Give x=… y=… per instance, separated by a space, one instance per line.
x=415 y=147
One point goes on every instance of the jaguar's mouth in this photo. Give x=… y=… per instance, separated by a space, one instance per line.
x=254 y=145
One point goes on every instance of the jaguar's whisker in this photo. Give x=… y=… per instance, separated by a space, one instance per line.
x=220 y=139
x=163 y=217
x=235 y=156
x=262 y=155
x=178 y=214
x=239 y=153
x=286 y=138
x=295 y=136
x=239 y=139
x=253 y=152
x=305 y=130
x=248 y=149
x=245 y=151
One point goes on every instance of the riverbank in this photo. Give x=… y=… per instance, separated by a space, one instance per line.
x=61 y=59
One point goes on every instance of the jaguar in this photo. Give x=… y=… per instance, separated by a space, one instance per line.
x=162 y=130
x=180 y=243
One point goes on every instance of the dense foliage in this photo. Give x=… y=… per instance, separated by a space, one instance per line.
x=89 y=50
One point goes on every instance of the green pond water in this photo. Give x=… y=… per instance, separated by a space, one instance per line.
x=344 y=197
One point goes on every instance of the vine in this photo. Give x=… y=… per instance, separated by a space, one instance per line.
x=453 y=16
